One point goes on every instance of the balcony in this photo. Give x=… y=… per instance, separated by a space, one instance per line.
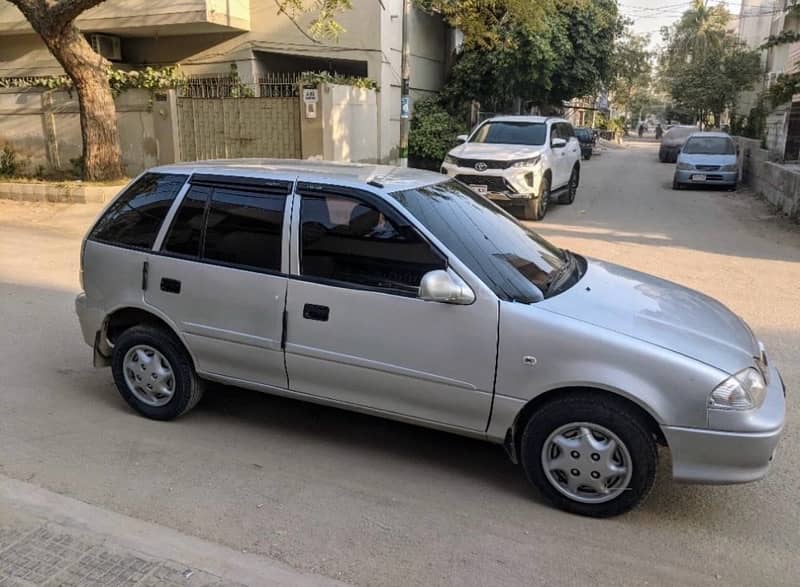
x=142 y=18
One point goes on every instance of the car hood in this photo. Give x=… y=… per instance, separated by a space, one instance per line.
x=658 y=312
x=707 y=159
x=496 y=152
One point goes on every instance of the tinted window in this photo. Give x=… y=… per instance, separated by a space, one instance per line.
x=187 y=228
x=245 y=228
x=135 y=218
x=511 y=133
x=515 y=262
x=346 y=240
x=709 y=146
x=567 y=131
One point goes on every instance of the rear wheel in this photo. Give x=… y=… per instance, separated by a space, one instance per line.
x=589 y=455
x=572 y=187
x=154 y=373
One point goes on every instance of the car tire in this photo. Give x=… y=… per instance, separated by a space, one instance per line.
x=154 y=373
x=536 y=208
x=615 y=439
x=676 y=185
x=587 y=156
x=572 y=187
x=733 y=186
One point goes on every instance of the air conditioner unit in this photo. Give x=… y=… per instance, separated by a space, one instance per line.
x=108 y=46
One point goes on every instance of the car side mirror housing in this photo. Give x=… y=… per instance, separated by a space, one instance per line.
x=461 y=139
x=446 y=288
x=558 y=143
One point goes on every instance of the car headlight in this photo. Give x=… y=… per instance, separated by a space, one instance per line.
x=731 y=167
x=743 y=391
x=685 y=166
x=526 y=162
x=450 y=160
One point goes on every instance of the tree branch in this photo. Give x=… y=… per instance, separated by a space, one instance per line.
x=65 y=11
x=282 y=10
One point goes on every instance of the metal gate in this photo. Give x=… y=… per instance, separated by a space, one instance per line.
x=223 y=118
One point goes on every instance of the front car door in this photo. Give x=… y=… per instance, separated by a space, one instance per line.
x=559 y=156
x=357 y=333
x=219 y=275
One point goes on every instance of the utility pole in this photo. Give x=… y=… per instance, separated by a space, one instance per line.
x=405 y=83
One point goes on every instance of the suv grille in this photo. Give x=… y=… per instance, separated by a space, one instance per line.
x=489 y=164
x=492 y=183
x=707 y=167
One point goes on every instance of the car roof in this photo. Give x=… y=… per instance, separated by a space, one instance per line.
x=388 y=177
x=525 y=118
x=718 y=134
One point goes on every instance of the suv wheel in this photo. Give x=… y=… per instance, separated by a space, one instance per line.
x=589 y=455
x=536 y=208
x=572 y=187
x=154 y=373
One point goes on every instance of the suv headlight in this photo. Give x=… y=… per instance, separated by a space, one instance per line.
x=685 y=166
x=731 y=167
x=743 y=391
x=450 y=160
x=526 y=162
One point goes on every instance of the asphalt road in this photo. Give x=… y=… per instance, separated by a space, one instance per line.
x=379 y=503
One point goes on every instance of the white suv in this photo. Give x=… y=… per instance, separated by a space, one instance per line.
x=520 y=162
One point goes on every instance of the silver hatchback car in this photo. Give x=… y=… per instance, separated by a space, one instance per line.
x=707 y=158
x=404 y=294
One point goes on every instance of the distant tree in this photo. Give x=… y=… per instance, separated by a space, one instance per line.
x=54 y=21
x=630 y=70
x=705 y=67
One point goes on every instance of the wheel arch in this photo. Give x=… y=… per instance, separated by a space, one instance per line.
x=514 y=433
x=120 y=319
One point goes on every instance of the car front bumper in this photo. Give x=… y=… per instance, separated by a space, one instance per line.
x=690 y=176
x=504 y=186
x=718 y=457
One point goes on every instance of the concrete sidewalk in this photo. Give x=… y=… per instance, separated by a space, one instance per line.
x=51 y=540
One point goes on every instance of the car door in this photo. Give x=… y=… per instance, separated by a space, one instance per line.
x=558 y=156
x=358 y=334
x=573 y=150
x=219 y=276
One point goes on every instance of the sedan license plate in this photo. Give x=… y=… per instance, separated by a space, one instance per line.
x=481 y=189
x=698 y=177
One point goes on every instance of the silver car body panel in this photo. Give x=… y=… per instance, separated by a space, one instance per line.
x=662 y=346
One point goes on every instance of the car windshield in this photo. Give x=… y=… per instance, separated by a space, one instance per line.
x=516 y=263
x=511 y=133
x=709 y=146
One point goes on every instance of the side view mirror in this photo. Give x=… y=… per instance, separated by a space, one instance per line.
x=441 y=286
x=558 y=143
x=461 y=138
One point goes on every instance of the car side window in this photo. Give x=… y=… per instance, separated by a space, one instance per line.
x=350 y=242
x=554 y=133
x=135 y=218
x=229 y=225
x=185 y=234
x=245 y=228
x=569 y=132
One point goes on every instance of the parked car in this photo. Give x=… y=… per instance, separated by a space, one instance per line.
x=587 y=140
x=520 y=162
x=707 y=158
x=405 y=294
x=672 y=141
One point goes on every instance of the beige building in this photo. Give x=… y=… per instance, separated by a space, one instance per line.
x=207 y=36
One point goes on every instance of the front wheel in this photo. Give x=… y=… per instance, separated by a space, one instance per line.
x=589 y=455
x=676 y=185
x=536 y=208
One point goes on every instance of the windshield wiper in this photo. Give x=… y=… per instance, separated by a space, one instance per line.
x=562 y=273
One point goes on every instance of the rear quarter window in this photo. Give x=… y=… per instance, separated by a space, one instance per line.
x=135 y=218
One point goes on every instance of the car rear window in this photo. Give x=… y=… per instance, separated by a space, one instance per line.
x=135 y=218
x=709 y=146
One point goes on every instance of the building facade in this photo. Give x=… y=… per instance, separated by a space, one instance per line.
x=207 y=37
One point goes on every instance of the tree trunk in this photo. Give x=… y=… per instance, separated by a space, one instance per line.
x=102 y=155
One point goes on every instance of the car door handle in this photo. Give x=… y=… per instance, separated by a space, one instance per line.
x=170 y=285
x=314 y=312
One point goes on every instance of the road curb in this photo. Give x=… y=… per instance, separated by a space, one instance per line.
x=159 y=542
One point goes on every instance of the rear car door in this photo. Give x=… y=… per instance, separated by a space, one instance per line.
x=358 y=334
x=220 y=277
